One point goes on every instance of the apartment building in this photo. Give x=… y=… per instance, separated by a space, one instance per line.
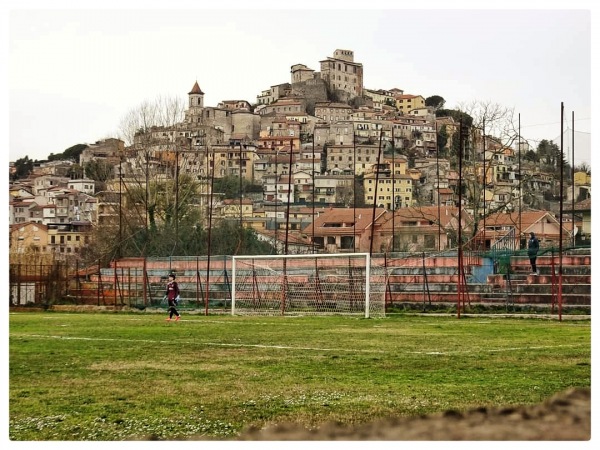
x=387 y=190
x=408 y=102
x=331 y=112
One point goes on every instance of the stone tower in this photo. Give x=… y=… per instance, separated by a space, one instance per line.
x=195 y=104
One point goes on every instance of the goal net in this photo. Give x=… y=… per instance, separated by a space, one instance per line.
x=318 y=284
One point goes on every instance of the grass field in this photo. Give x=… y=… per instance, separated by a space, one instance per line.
x=115 y=376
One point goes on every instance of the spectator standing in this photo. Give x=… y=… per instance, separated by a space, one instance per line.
x=533 y=246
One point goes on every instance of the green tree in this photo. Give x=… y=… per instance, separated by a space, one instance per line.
x=99 y=170
x=230 y=186
x=549 y=153
x=457 y=115
x=23 y=167
x=435 y=101
x=442 y=140
x=530 y=155
x=359 y=190
x=70 y=154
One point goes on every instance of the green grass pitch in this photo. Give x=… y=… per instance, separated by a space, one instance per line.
x=117 y=376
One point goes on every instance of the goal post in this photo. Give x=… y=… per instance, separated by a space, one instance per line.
x=313 y=284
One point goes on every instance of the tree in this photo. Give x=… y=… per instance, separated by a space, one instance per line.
x=359 y=191
x=457 y=115
x=230 y=186
x=583 y=167
x=100 y=171
x=549 y=153
x=530 y=155
x=139 y=121
x=435 y=101
x=390 y=102
x=70 y=154
x=489 y=135
x=442 y=140
x=23 y=167
x=160 y=204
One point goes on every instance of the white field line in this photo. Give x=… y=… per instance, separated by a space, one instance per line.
x=284 y=347
x=215 y=344
x=186 y=319
x=497 y=350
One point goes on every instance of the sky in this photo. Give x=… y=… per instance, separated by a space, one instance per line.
x=73 y=74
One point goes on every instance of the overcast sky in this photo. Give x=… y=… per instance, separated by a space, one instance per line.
x=73 y=74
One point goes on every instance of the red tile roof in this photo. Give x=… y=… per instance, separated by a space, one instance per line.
x=323 y=224
x=196 y=89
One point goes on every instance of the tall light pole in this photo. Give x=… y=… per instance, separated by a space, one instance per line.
x=520 y=186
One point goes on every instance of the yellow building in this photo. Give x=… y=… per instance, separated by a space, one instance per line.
x=393 y=191
x=406 y=102
x=230 y=209
x=64 y=239
x=582 y=179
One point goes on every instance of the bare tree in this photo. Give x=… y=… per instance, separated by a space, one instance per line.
x=154 y=188
x=489 y=176
x=161 y=112
x=583 y=167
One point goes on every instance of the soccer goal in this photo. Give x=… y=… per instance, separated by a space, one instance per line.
x=316 y=284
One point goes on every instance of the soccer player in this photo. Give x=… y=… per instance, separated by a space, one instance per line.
x=172 y=294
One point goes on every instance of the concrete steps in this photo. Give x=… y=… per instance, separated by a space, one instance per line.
x=125 y=282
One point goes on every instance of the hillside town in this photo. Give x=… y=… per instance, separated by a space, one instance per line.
x=319 y=163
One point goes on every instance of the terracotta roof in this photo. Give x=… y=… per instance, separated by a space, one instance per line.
x=245 y=201
x=21 y=203
x=196 y=89
x=425 y=213
x=363 y=219
x=583 y=205
x=527 y=219
x=280 y=236
x=16 y=226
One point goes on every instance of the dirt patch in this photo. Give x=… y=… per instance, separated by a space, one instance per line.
x=566 y=416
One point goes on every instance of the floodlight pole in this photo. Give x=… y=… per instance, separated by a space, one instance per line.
x=376 y=188
x=573 y=177
x=459 y=252
x=437 y=157
x=353 y=191
x=560 y=221
x=520 y=185
x=210 y=211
